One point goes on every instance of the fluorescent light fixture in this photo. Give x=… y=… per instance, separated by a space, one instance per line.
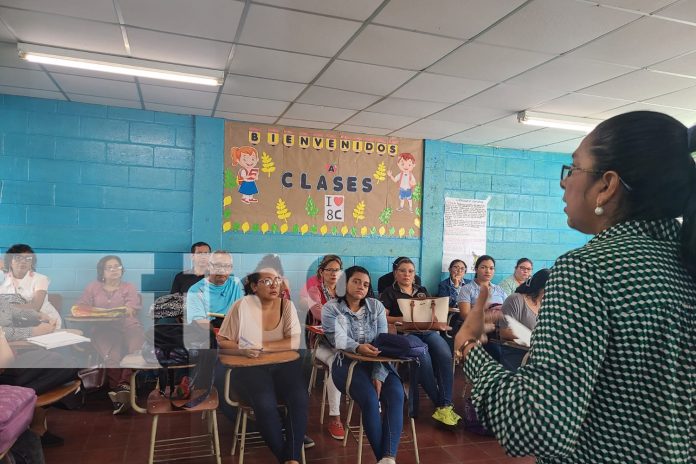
x=557 y=121
x=119 y=65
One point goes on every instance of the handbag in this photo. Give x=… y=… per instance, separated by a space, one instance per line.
x=93 y=378
x=399 y=346
x=423 y=314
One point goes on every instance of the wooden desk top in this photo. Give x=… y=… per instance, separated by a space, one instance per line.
x=265 y=358
x=92 y=319
x=360 y=357
x=22 y=344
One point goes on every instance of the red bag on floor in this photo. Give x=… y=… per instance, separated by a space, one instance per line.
x=16 y=411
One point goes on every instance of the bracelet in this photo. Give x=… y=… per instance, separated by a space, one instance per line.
x=470 y=341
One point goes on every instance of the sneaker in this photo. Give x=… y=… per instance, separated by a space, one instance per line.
x=387 y=460
x=445 y=416
x=308 y=442
x=49 y=440
x=336 y=430
x=454 y=415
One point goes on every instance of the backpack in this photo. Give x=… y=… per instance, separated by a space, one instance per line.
x=399 y=346
x=172 y=345
x=168 y=306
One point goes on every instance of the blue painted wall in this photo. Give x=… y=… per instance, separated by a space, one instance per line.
x=78 y=178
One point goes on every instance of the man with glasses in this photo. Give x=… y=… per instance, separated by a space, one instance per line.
x=200 y=253
x=215 y=293
x=523 y=270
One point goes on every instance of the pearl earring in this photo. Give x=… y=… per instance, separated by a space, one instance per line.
x=599 y=210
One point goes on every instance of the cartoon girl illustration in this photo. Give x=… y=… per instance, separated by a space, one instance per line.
x=247 y=158
x=405 y=179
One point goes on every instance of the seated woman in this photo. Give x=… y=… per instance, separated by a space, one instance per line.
x=435 y=366
x=21 y=278
x=523 y=270
x=263 y=320
x=484 y=270
x=316 y=293
x=21 y=323
x=450 y=286
x=351 y=323
x=115 y=339
x=522 y=306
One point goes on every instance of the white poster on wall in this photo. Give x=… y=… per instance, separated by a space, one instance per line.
x=465 y=231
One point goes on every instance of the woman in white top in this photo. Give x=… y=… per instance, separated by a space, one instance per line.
x=264 y=321
x=21 y=278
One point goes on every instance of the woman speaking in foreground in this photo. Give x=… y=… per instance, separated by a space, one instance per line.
x=612 y=372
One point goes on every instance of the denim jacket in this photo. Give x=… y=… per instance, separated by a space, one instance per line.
x=341 y=328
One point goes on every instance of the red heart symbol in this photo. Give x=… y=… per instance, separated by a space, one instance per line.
x=338 y=201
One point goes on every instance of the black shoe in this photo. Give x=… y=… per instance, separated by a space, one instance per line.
x=308 y=442
x=49 y=440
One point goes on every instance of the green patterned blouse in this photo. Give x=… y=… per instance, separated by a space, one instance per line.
x=612 y=373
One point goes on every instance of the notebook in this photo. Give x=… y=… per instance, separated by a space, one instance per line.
x=57 y=339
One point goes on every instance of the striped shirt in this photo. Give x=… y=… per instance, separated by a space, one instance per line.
x=612 y=372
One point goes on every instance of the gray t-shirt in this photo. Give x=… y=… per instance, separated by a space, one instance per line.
x=516 y=307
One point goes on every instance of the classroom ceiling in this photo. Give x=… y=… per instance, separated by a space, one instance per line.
x=457 y=70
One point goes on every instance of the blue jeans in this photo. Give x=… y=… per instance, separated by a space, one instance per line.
x=262 y=387
x=383 y=432
x=435 y=368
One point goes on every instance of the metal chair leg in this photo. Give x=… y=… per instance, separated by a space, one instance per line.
x=243 y=439
x=347 y=427
x=212 y=417
x=415 y=440
x=153 y=438
x=235 y=437
x=360 y=440
x=324 y=396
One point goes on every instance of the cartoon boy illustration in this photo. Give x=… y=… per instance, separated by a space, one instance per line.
x=406 y=179
x=247 y=158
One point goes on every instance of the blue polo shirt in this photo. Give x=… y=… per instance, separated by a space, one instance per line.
x=204 y=297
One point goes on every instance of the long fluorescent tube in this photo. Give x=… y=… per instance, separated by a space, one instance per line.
x=557 y=122
x=119 y=65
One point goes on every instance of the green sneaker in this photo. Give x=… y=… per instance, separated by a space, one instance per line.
x=445 y=416
x=453 y=414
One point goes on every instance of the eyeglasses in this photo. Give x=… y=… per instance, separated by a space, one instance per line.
x=529 y=269
x=113 y=268
x=220 y=267
x=270 y=282
x=333 y=271
x=23 y=259
x=567 y=171
x=458 y=268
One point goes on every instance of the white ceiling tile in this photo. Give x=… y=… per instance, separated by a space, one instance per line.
x=181 y=97
x=579 y=105
x=9 y=57
x=103 y=101
x=684 y=10
x=172 y=48
x=455 y=18
x=488 y=62
x=439 y=88
x=30 y=78
x=681 y=99
x=97 y=87
x=379 y=120
x=639 y=85
x=176 y=109
x=400 y=49
x=249 y=105
x=463 y=113
x=555 y=26
x=489 y=133
x=645 y=6
x=277 y=28
x=318 y=113
x=403 y=107
x=262 y=88
x=642 y=43
x=366 y=78
x=431 y=129
x=362 y=129
x=687 y=117
x=179 y=85
x=275 y=64
x=308 y=124
x=355 y=9
x=538 y=138
x=685 y=65
x=242 y=117
x=567 y=146
x=31 y=92
x=569 y=73
x=213 y=19
x=6 y=35
x=87 y=73
x=317 y=95
x=100 y=10
x=62 y=31
x=512 y=98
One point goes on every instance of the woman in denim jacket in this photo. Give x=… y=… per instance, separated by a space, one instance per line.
x=351 y=323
